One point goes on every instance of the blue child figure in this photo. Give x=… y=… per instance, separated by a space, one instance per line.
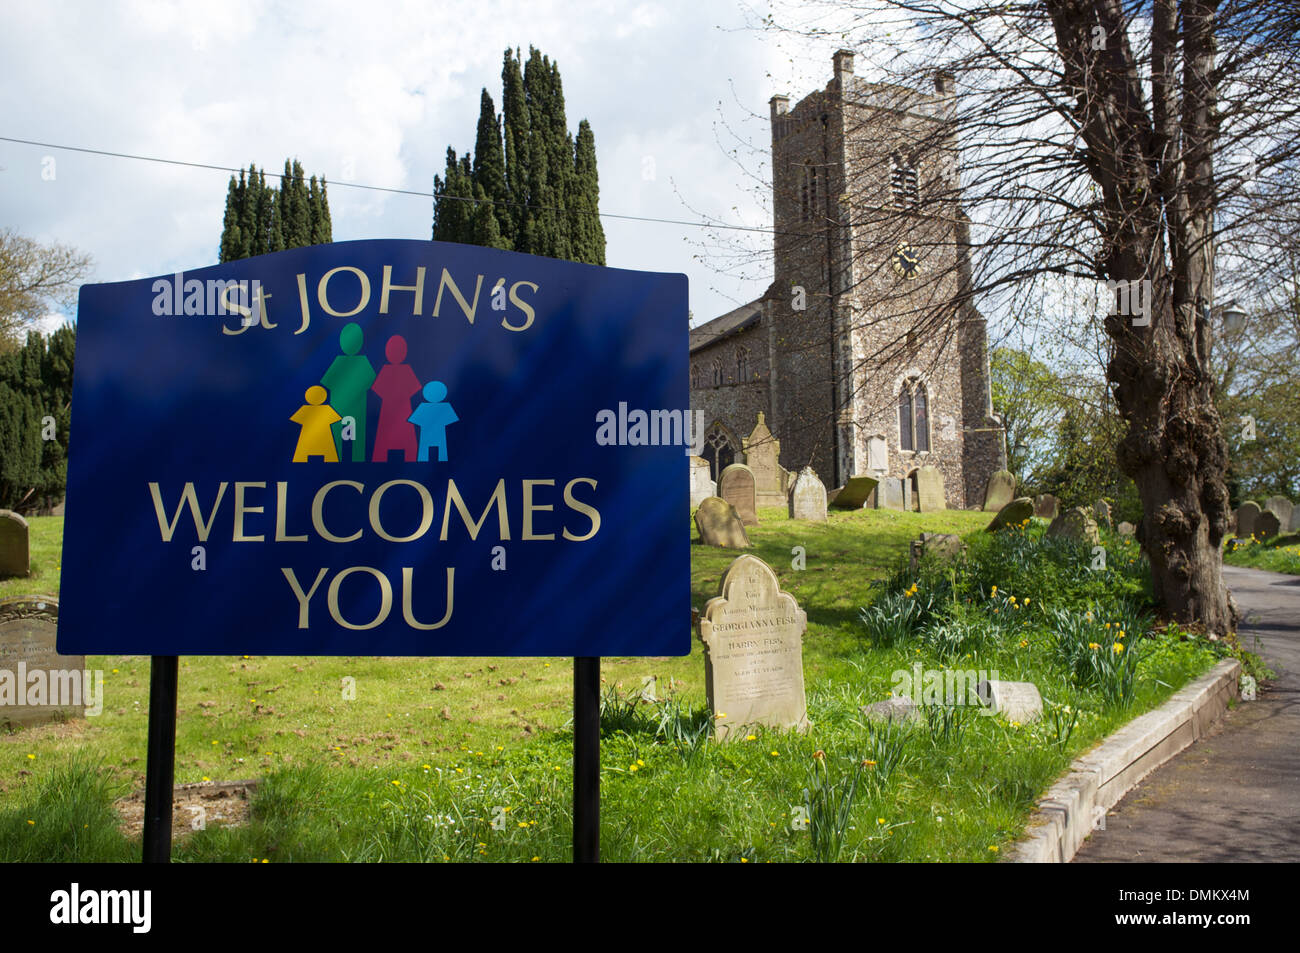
x=432 y=418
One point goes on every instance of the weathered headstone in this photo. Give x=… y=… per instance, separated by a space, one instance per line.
x=36 y=683
x=1295 y=520
x=1282 y=508
x=1015 y=701
x=736 y=486
x=15 y=546
x=855 y=494
x=701 y=485
x=1266 y=524
x=1001 y=490
x=929 y=490
x=1076 y=523
x=943 y=545
x=720 y=525
x=889 y=494
x=895 y=708
x=877 y=454
x=807 y=496
x=907 y=495
x=753 y=651
x=762 y=456
x=1047 y=506
x=1126 y=528
x=1013 y=514
x=1247 y=513
x=1101 y=511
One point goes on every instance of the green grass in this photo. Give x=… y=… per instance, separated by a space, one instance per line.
x=425 y=760
x=1276 y=554
x=45 y=540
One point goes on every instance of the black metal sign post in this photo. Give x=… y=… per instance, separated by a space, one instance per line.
x=160 y=766
x=586 y=760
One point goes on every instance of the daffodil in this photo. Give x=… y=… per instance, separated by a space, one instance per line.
x=1118 y=647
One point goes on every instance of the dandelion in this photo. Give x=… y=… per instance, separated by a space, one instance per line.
x=868 y=763
x=33 y=823
x=775 y=753
x=31 y=757
x=744 y=860
x=751 y=737
x=523 y=824
x=633 y=768
x=880 y=820
x=1023 y=643
x=536 y=859
x=993 y=848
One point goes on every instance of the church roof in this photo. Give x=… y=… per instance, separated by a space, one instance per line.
x=733 y=322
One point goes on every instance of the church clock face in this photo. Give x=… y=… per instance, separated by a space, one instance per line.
x=906 y=261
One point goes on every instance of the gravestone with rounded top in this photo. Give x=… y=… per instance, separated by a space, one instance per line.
x=720 y=525
x=1013 y=515
x=1282 y=508
x=1076 y=523
x=15 y=545
x=1266 y=524
x=1101 y=511
x=753 y=652
x=1001 y=490
x=736 y=486
x=1247 y=514
x=37 y=684
x=807 y=496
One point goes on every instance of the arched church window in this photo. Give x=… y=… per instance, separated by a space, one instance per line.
x=717 y=372
x=718 y=450
x=742 y=364
x=913 y=417
x=903 y=181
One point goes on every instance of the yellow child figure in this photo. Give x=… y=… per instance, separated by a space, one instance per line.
x=315 y=417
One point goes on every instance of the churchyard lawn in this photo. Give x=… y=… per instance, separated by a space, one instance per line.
x=1276 y=554
x=469 y=759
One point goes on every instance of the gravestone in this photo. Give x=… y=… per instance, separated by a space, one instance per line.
x=807 y=496
x=929 y=490
x=701 y=485
x=37 y=684
x=889 y=494
x=1266 y=524
x=1076 y=523
x=1047 y=506
x=753 y=652
x=720 y=525
x=762 y=456
x=1015 y=701
x=15 y=551
x=907 y=495
x=1001 y=491
x=1126 y=528
x=855 y=494
x=1283 y=509
x=1295 y=520
x=1247 y=513
x=1101 y=510
x=736 y=486
x=898 y=708
x=943 y=545
x=1013 y=514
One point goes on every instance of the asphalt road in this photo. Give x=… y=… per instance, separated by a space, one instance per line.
x=1234 y=796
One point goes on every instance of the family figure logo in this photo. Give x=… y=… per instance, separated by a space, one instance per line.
x=325 y=427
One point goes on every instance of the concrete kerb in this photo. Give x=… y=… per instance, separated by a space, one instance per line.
x=1096 y=781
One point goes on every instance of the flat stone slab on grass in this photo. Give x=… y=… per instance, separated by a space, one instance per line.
x=1013 y=514
x=855 y=493
x=898 y=708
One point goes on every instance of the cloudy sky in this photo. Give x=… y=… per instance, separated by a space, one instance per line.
x=373 y=93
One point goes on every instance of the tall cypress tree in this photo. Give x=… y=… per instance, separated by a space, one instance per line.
x=584 y=223
x=260 y=219
x=514 y=104
x=490 y=170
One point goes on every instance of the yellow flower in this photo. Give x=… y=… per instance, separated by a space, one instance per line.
x=1121 y=634
x=1088 y=616
x=751 y=737
x=880 y=820
x=744 y=860
x=1013 y=600
x=535 y=859
x=633 y=768
x=1026 y=601
x=1023 y=643
x=33 y=823
x=994 y=592
x=775 y=753
x=868 y=763
x=640 y=762
x=31 y=757
x=1118 y=647
x=993 y=847
x=1093 y=645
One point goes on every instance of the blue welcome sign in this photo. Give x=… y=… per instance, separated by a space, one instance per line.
x=379 y=448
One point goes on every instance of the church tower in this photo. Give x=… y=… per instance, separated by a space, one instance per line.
x=869 y=358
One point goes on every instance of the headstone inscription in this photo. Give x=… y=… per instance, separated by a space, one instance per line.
x=37 y=684
x=753 y=652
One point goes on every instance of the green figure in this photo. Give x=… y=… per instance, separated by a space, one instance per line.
x=348 y=380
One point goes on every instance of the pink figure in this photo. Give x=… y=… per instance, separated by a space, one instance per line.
x=395 y=385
